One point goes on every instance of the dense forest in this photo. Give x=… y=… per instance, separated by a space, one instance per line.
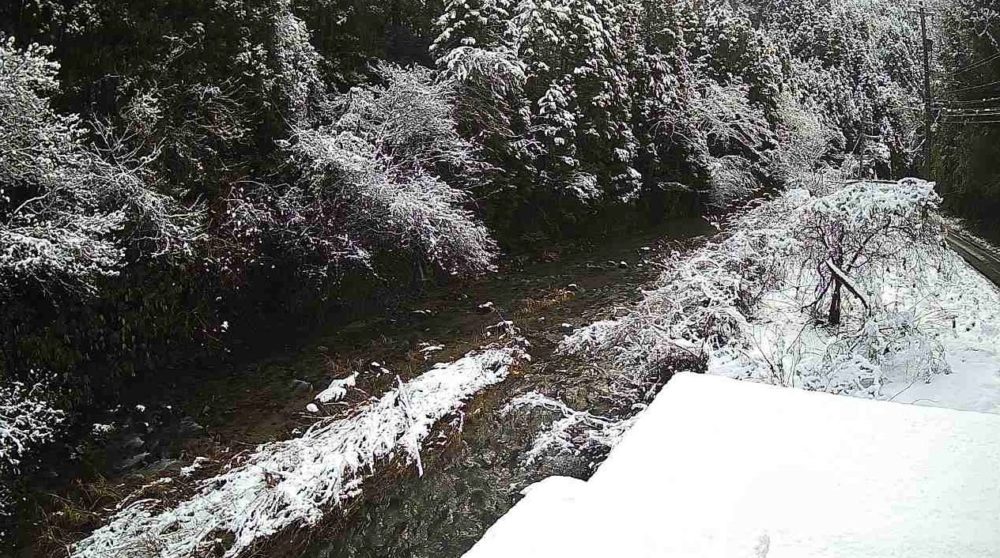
x=965 y=112
x=180 y=175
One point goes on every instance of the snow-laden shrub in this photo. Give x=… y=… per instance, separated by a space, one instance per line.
x=69 y=212
x=726 y=134
x=701 y=301
x=853 y=234
x=805 y=140
x=732 y=180
x=27 y=421
x=724 y=119
x=426 y=212
x=584 y=187
x=409 y=119
x=155 y=225
x=296 y=63
x=842 y=373
x=53 y=228
x=376 y=168
x=899 y=343
x=382 y=201
x=498 y=71
x=745 y=304
x=265 y=224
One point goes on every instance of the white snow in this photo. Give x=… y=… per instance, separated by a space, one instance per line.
x=429 y=350
x=722 y=468
x=193 y=468
x=337 y=390
x=939 y=346
x=294 y=483
x=919 y=326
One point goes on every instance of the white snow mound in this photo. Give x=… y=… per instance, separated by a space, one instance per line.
x=723 y=468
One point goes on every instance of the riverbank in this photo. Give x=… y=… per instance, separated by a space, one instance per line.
x=848 y=470
x=903 y=318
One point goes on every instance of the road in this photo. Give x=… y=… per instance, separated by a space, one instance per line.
x=981 y=257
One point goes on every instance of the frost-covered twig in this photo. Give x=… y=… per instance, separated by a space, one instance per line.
x=26 y=421
x=574 y=431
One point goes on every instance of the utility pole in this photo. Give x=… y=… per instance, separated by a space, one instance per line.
x=861 y=141
x=928 y=116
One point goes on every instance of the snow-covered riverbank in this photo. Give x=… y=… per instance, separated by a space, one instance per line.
x=293 y=484
x=721 y=468
x=914 y=322
x=850 y=291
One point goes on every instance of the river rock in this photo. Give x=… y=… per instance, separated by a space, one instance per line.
x=299 y=386
x=131 y=462
x=187 y=426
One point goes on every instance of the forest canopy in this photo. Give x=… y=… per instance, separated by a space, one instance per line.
x=176 y=174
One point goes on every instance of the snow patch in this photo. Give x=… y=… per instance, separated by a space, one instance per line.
x=573 y=432
x=337 y=390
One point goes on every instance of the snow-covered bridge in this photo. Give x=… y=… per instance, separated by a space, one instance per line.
x=721 y=468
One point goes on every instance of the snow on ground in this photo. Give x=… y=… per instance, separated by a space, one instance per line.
x=923 y=328
x=721 y=468
x=945 y=353
x=292 y=484
x=337 y=390
x=716 y=467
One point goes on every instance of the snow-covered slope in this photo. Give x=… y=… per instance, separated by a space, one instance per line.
x=718 y=468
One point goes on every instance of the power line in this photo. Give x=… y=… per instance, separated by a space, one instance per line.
x=968 y=101
x=946 y=109
x=976 y=117
x=971 y=114
x=973 y=87
x=967 y=110
x=971 y=121
x=973 y=65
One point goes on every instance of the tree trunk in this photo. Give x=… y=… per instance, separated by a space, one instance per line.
x=835 y=303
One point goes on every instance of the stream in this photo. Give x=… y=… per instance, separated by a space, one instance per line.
x=471 y=476
x=480 y=477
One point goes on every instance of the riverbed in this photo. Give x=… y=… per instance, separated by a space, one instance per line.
x=471 y=476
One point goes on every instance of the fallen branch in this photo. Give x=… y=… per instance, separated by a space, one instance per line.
x=847 y=282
